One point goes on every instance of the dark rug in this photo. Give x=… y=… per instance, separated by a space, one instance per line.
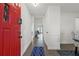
x=38 y=51
x=67 y=53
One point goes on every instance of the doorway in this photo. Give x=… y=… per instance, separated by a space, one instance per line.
x=38 y=41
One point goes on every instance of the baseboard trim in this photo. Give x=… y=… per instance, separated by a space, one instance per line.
x=29 y=46
x=66 y=43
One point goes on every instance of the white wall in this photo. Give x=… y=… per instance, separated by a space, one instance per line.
x=51 y=24
x=76 y=32
x=37 y=22
x=64 y=25
x=67 y=26
x=32 y=26
x=26 y=28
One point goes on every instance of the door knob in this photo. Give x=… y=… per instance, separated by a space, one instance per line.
x=20 y=36
x=20 y=21
x=46 y=32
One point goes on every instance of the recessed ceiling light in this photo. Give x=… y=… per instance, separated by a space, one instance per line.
x=35 y=4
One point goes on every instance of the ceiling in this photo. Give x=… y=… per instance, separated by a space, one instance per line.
x=41 y=9
x=38 y=11
x=74 y=7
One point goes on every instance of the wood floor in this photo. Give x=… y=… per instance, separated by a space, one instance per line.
x=67 y=47
x=47 y=52
x=50 y=52
x=28 y=51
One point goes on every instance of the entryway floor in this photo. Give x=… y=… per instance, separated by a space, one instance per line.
x=51 y=52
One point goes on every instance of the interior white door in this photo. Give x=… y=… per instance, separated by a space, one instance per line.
x=51 y=25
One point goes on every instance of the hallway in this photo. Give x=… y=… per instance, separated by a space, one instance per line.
x=38 y=46
x=44 y=29
x=38 y=42
x=58 y=22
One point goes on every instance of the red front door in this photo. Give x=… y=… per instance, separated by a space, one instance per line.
x=10 y=30
x=1 y=30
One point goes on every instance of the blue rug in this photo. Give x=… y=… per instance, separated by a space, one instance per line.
x=67 y=53
x=38 y=51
